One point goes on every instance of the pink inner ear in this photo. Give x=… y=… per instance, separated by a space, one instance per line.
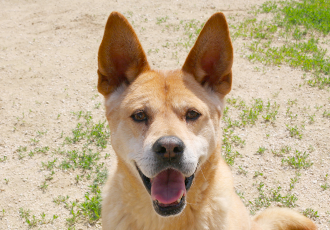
x=209 y=63
x=121 y=63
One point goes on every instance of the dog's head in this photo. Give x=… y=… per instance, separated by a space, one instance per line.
x=164 y=124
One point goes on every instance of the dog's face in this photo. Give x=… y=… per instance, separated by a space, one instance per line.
x=164 y=124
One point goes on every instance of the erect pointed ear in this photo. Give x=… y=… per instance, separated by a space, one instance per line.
x=121 y=57
x=211 y=58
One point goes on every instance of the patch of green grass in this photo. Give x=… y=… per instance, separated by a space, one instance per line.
x=295 y=24
x=298 y=161
x=271 y=111
x=91 y=207
x=306 y=55
x=93 y=138
x=268 y=7
x=41 y=150
x=266 y=197
x=25 y=214
x=312 y=14
x=97 y=134
x=161 y=20
x=33 y=221
x=85 y=159
x=49 y=165
x=34 y=141
x=228 y=152
x=250 y=114
x=310 y=213
x=283 y=150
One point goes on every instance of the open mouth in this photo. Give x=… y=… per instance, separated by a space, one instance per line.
x=168 y=191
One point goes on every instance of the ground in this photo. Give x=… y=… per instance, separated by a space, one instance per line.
x=48 y=64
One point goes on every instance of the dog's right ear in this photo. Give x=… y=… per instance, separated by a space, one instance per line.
x=211 y=58
x=121 y=57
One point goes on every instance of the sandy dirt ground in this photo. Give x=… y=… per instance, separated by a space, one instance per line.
x=48 y=64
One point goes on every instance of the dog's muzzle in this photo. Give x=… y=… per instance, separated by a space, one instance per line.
x=169 y=187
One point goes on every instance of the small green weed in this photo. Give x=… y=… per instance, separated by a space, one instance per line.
x=60 y=199
x=311 y=118
x=34 y=141
x=261 y=150
x=31 y=221
x=294 y=180
x=161 y=20
x=257 y=173
x=325 y=186
x=326 y=114
x=241 y=170
x=285 y=149
x=294 y=131
x=49 y=165
x=292 y=102
x=3 y=159
x=44 y=186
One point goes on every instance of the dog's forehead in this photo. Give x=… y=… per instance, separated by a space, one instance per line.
x=163 y=87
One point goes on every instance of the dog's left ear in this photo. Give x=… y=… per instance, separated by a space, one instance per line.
x=211 y=58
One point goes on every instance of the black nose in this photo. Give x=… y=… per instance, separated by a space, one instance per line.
x=170 y=147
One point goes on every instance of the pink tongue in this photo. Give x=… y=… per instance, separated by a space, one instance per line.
x=168 y=186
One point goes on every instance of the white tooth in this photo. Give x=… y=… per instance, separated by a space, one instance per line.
x=180 y=197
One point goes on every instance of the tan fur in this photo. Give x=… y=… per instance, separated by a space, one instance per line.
x=128 y=85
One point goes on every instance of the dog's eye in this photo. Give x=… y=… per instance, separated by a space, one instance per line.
x=139 y=116
x=192 y=115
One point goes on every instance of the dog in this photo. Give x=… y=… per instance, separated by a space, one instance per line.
x=165 y=131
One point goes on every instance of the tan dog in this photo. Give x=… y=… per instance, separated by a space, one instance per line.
x=166 y=135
